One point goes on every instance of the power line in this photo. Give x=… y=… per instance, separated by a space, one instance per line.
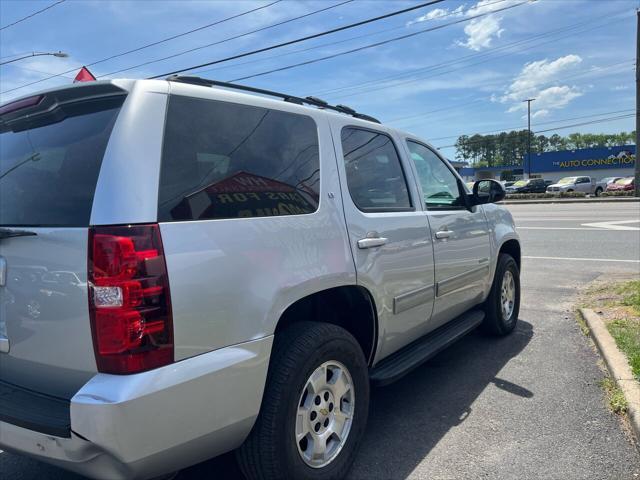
x=148 y=45
x=523 y=127
x=328 y=44
x=377 y=44
x=542 y=85
x=475 y=55
x=561 y=127
x=32 y=14
x=251 y=32
x=302 y=39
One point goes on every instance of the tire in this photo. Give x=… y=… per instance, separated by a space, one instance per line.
x=271 y=451
x=598 y=191
x=570 y=190
x=497 y=319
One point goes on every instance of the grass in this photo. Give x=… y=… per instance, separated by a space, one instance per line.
x=618 y=303
x=626 y=330
x=615 y=397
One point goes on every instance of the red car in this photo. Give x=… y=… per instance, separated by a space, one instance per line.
x=622 y=184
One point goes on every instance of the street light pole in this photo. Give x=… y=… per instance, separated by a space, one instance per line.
x=637 y=169
x=529 y=100
x=37 y=54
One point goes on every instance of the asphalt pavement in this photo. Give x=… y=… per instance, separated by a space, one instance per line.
x=525 y=406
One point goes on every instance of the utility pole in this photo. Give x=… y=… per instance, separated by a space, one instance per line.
x=637 y=170
x=529 y=100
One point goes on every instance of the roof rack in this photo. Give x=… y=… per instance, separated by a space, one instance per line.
x=317 y=102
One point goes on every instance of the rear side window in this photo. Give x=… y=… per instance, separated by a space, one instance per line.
x=49 y=165
x=374 y=174
x=226 y=160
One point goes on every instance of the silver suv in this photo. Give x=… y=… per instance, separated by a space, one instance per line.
x=187 y=269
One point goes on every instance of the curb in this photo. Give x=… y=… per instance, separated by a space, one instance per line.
x=571 y=200
x=617 y=365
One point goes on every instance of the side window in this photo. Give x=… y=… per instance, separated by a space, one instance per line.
x=226 y=160
x=374 y=174
x=440 y=186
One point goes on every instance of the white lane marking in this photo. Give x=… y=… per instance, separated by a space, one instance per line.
x=618 y=225
x=561 y=228
x=583 y=259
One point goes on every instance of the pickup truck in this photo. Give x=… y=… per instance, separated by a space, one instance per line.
x=190 y=267
x=588 y=185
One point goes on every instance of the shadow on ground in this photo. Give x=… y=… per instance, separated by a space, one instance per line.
x=407 y=419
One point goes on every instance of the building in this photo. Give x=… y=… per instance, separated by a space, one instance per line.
x=599 y=162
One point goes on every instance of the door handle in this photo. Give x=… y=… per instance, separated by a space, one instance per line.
x=443 y=234
x=371 y=242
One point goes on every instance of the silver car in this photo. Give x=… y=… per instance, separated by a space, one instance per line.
x=187 y=269
x=583 y=184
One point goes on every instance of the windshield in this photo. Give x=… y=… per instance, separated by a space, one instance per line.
x=625 y=181
x=565 y=180
x=49 y=167
x=520 y=183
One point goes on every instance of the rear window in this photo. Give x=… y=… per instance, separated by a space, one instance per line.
x=226 y=160
x=49 y=163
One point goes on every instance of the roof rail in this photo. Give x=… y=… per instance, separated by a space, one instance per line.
x=316 y=102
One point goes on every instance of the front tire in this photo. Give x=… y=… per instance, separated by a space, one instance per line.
x=314 y=409
x=503 y=304
x=598 y=191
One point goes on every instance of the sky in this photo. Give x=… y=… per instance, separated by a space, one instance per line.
x=464 y=67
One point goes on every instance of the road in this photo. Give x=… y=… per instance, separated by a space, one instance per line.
x=525 y=406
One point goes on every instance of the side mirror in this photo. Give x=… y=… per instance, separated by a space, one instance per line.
x=486 y=191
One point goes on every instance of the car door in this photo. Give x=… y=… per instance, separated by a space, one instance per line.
x=583 y=184
x=461 y=239
x=388 y=233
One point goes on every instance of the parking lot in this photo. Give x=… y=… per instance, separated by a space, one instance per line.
x=525 y=406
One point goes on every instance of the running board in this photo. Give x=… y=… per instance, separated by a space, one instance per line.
x=415 y=354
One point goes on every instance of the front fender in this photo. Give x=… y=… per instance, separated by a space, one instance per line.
x=502 y=228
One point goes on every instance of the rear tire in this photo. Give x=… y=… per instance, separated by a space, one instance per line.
x=295 y=437
x=503 y=304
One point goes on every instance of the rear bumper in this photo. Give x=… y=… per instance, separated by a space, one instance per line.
x=156 y=422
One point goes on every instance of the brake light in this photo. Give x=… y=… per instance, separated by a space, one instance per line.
x=20 y=104
x=129 y=299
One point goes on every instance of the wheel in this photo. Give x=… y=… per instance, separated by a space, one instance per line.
x=314 y=409
x=503 y=303
x=598 y=191
x=570 y=190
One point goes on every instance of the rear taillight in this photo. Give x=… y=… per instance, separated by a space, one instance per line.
x=129 y=299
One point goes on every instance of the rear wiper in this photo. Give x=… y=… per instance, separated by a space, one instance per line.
x=8 y=233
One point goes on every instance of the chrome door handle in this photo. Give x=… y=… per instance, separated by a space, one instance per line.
x=371 y=242
x=443 y=234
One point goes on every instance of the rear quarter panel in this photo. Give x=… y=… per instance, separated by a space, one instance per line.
x=231 y=279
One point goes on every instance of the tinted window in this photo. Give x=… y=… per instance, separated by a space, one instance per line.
x=225 y=160
x=440 y=186
x=374 y=175
x=49 y=169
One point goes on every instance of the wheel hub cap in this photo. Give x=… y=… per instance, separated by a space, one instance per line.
x=325 y=414
x=507 y=295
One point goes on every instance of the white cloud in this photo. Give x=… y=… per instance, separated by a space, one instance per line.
x=482 y=31
x=619 y=88
x=532 y=82
x=438 y=13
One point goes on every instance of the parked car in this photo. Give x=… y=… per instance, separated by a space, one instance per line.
x=574 y=184
x=532 y=185
x=622 y=184
x=602 y=184
x=237 y=270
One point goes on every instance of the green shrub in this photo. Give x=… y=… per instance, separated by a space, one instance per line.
x=618 y=193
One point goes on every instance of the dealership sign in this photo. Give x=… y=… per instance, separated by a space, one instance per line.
x=585 y=159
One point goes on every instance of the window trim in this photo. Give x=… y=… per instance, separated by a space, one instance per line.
x=412 y=207
x=461 y=190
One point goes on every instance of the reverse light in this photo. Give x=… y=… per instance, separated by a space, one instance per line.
x=129 y=299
